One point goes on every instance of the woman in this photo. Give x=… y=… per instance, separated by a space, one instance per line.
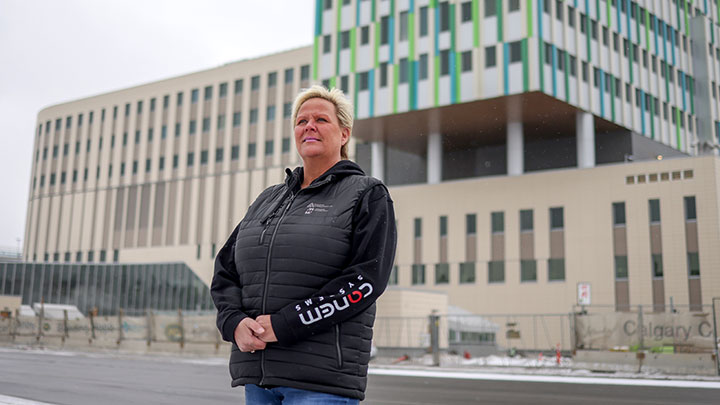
x=295 y=284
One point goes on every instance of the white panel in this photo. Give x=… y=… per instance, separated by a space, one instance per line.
x=467 y=86
x=444 y=40
x=401 y=50
x=347 y=17
x=444 y=84
x=465 y=37
x=515 y=22
x=570 y=40
x=424 y=92
x=344 y=61
x=403 y=95
x=365 y=12
x=383 y=100
x=364 y=58
x=363 y=104
x=328 y=22
x=546 y=26
x=558 y=32
x=491 y=83
x=489 y=33
x=384 y=53
x=423 y=45
x=327 y=66
x=594 y=98
x=515 y=73
x=582 y=50
x=402 y=5
x=547 y=71
x=573 y=91
x=560 y=85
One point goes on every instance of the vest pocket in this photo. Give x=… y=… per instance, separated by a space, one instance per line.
x=337 y=346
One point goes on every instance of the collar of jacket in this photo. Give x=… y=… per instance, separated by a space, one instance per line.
x=341 y=169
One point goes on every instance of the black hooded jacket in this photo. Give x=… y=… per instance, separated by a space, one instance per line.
x=315 y=259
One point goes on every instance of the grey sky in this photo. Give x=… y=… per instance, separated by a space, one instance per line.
x=53 y=51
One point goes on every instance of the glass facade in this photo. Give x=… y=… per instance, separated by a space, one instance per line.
x=133 y=288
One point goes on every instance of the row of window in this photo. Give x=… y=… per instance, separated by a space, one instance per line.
x=497 y=222
x=467 y=273
x=190 y=161
x=619 y=219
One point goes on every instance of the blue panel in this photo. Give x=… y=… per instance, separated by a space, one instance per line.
x=619 y=19
x=554 y=71
x=318 y=17
x=357 y=13
x=672 y=42
x=414 y=66
x=506 y=71
x=392 y=40
x=437 y=30
x=682 y=84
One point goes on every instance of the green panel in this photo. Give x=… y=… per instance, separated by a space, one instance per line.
x=377 y=45
x=333 y=80
x=436 y=80
x=692 y=96
x=526 y=65
x=609 y=13
x=687 y=30
x=316 y=63
x=597 y=11
x=476 y=22
x=647 y=30
x=500 y=14
x=396 y=76
x=529 y=18
x=353 y=31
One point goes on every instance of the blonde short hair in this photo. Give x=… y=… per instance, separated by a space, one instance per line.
x=343 y=108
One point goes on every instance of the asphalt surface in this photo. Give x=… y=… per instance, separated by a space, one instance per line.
x=64 y=378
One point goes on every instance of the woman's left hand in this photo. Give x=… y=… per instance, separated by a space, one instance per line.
x=269 y=334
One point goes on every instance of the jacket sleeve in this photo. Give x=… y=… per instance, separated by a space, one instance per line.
x=225 y=290
x=359 y=284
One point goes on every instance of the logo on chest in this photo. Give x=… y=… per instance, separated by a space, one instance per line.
x=316 y=208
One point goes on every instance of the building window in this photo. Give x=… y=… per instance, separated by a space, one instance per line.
x=287 y=110
x=423 y=21
x=496 y=271
x=515 y=5
x=255 y=83
x=163 y=132
x=621 y=268
x=490 y=9
x=423 y=67
x=363 y=81
x=690 y=211
x=238 y=86
x=466 y=61
x=221 y=122
x=364 y=35
x=556 y=269
x=418 y=274
x=252 y=149
x=344 y=84
x=417 y=227
x=383 y=74
x=193 y=127
x=515 y=52
x=203 y=157
x=223 y=90
x=442 y=273
x=470 y=224
x=654 y=208
x=384 y=30
x=467 y=273
x=490 y=57
x=657 y=265
x=393 y=276
x=190 y=159
x=219 y=155
x=236 y=119
x=618 y=213
x=526 y=220
x=466 y=11
x=206 y=124
x=403 y=36
x=285 y=145
x=272 y=79
x=557 y=220
x=194 y=96
x=443 y=226
x=289 y=73
x=208 y=93
x=404 y=73
x=528 y=270
x=161 y=164
x=253 y=115
x=134 y=167
x=304 y=72
x=444 y=16
x=444 y=62
x=693 y=260
x=269 y=147
x=498 y=222
x=176 y=161
x=270 y=113
x=235 y=152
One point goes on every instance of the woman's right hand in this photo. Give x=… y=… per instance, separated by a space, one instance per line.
x=246 y=335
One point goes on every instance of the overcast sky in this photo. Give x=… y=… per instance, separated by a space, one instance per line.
x=53 y=51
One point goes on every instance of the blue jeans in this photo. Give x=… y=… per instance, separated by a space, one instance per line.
x=255 y=395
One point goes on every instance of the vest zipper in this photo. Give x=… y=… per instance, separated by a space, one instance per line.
x=267 y=275
x=269 y=256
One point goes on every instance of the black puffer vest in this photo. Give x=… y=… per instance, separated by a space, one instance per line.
x=290 y=243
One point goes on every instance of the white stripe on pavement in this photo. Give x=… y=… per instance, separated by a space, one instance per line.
x=6 y=400
x=548 y=379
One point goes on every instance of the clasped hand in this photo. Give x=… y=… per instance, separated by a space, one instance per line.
x=254 y=334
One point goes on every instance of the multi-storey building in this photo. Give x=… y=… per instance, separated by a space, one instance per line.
x=549 y=143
